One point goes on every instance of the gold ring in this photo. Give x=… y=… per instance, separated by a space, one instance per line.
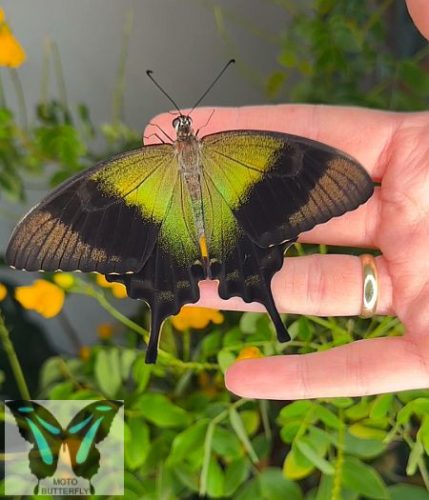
x=370 y=286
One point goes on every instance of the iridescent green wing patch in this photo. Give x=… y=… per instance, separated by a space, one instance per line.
x=279 y=185
x=169 y=279
x=106 y=218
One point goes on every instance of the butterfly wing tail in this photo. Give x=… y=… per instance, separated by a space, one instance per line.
x=165 y=285
x=247 y=272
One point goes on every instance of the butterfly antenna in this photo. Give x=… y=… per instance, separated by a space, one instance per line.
x=231 y=61
x=149 y=74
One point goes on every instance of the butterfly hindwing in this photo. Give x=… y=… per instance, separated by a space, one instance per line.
x=87 y=428
x=39 y=427
x=104 y=219
x=279 y=185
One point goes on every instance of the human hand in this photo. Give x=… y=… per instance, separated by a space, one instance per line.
x=393 y=148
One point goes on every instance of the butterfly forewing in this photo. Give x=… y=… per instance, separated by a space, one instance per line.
x=279 y=185
x=105 y=219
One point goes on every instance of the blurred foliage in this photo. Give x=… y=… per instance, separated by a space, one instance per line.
x=186 y=436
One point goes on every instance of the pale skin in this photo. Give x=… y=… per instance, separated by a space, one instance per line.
x=394 y=149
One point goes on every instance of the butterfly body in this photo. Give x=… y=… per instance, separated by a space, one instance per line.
x=163 y=217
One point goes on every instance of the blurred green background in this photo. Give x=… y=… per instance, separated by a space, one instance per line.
x=186 y=436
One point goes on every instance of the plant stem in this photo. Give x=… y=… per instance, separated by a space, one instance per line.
x=44 y=85
x=186 y=337
x=208 y=443
x=13 y=360
x=386 y=324
x=16 y=81
x=165 y=356
x=2 y=98
x=336 y=487
x=59 y=73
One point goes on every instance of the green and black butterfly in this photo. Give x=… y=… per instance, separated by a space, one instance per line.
x=163 y=217
x=88 y=427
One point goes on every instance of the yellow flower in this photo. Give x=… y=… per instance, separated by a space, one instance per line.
x=84 y=353
x=249 y=353
x=3 y=292
x=11 y=52
x=196 y=317
x=105 y=331
x=42 y=296
x=64 y=280
x=118 y=289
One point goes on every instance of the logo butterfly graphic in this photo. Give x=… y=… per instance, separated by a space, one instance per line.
x=88 y=427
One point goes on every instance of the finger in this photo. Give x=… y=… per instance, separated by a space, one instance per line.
x=362 y=133
x=361 y=368
x=320 y=285
x=419 y=11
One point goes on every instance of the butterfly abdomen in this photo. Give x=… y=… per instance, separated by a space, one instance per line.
x=189 y=158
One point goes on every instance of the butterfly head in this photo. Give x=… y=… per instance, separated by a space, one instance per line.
x=183 y=126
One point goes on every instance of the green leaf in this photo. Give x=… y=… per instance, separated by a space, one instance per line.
x=363 y=448
x=290 y=430
x=419 y=406
x=108 y=371
x=328 y=417
x=132 y=484
x=226 y=443
x=236 y=474
x=128 y=357
x=274 y=83
x=225 y=359
x=211 y=344
x=407 y=492
x=363 y=479
x=251 y=421
x=294 y=410
x=249 y=322
x=423 y=434
x=159 y=410
x=186 y=475
x=415 y=456
x=50 y=372
x=215 y=479
x=62 y=390
x=232 y=338
x=304 y=446
x=366 y=432
x=358 y=411
x=340 y=402
x=274 y=486
x=188 y=441
x=141 y=373
x=138 y=442
x=249 y=491
x=381 y=406
x=238 y=426
x=297 y=466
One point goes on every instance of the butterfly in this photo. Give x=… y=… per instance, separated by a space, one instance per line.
x=89 y=426
x=163 y=217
